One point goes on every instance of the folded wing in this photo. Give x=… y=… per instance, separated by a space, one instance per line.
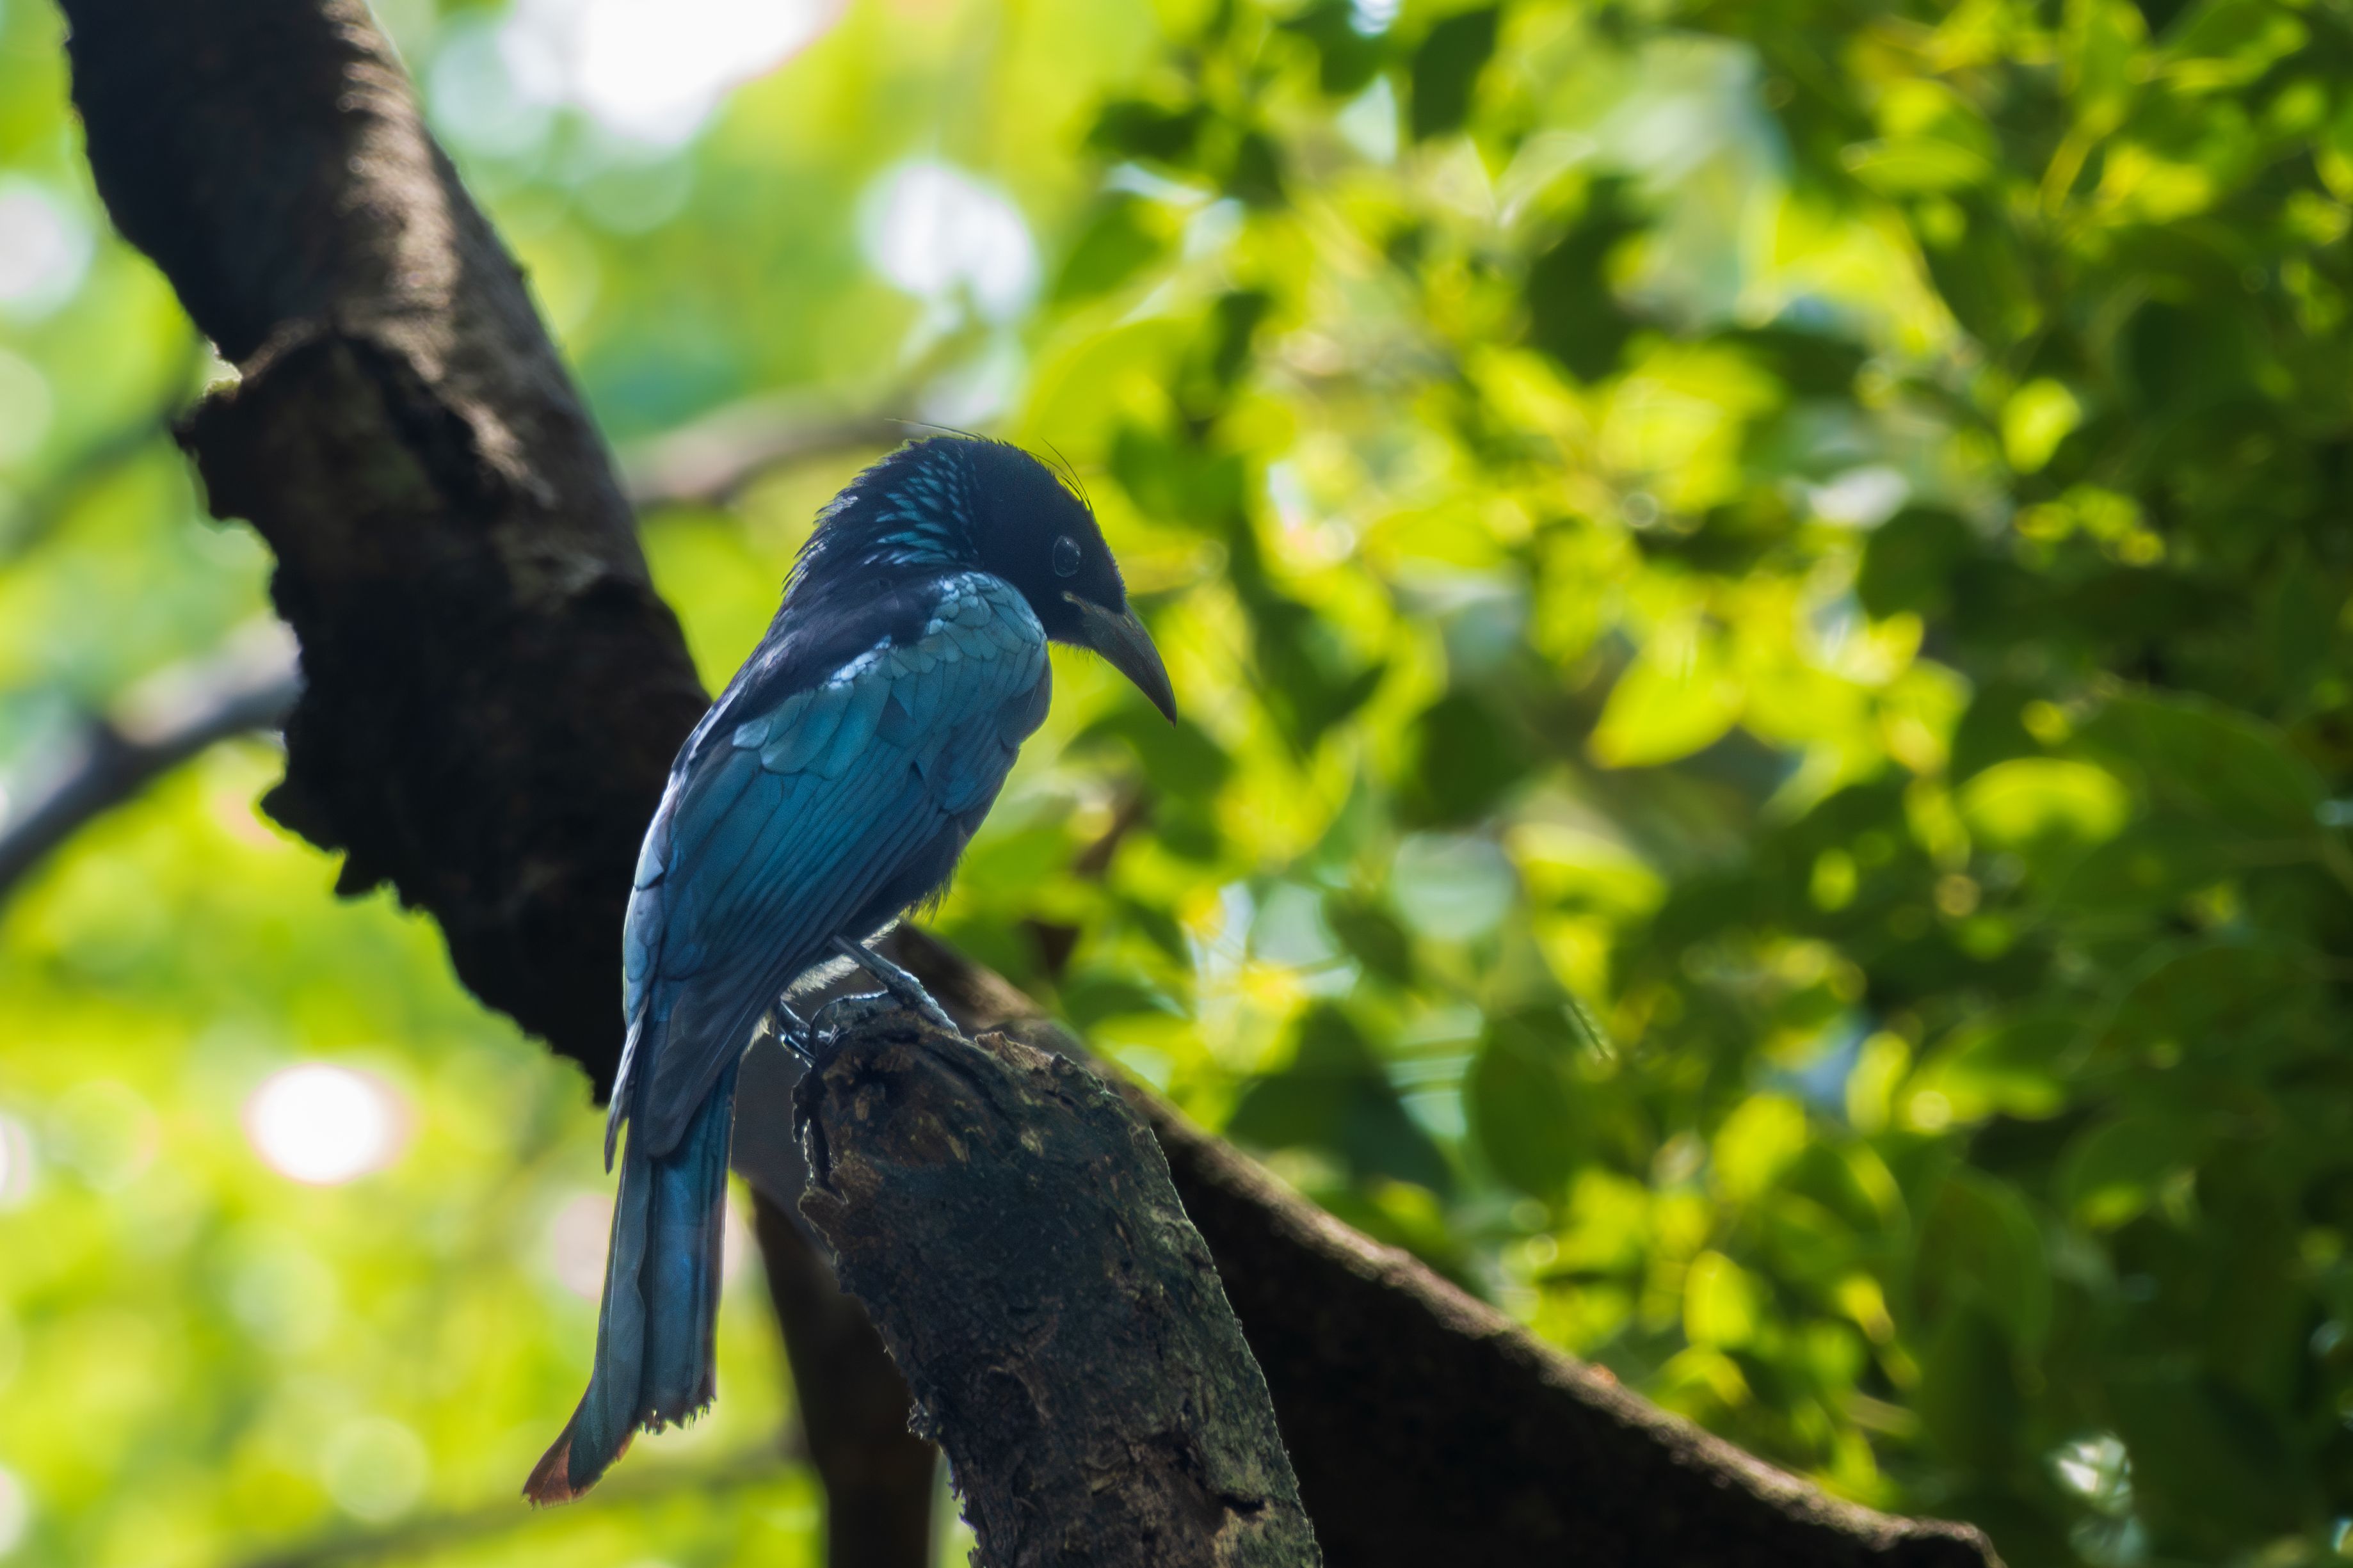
x=833 y=809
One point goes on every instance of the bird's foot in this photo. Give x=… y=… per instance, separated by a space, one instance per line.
x=792 y=1031
x=901 y=987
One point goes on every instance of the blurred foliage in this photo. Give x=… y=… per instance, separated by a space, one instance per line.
x=1759 y=592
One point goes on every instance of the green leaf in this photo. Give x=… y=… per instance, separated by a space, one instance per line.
x=1523 y=1115
x=1116 y=244
x=1574 y=314
x=1969 y=1399
x=1372 y=935
x=1756 y=1142
x=2111 y=1173
x=1335 y=1096
x=1980 y=1250
x=2037 y=416
x=1446 y=69
x=2043 y=806
x=1679 y=694
x=2202 y=758
x=1720 y=1302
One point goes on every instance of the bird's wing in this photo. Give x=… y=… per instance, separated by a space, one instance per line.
x=784 y=826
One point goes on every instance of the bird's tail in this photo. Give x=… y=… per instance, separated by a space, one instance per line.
x=654 y=1334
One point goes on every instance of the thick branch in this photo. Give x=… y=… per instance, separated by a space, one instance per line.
x=1010 y=1226
x=494 y=693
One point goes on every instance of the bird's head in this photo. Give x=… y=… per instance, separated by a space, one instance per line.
x=960 y=500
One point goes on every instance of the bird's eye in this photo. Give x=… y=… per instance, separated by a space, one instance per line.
x=1066 y=556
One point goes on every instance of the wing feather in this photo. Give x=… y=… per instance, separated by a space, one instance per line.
x=792 y=824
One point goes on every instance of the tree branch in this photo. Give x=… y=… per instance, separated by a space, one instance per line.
x=709 y=461
x=158 y=728
x=1010 y=1226
x=853 y=1403
x=493 y=690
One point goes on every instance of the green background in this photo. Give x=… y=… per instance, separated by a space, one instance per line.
x=1758 y=590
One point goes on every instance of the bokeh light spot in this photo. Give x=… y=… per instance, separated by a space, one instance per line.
x=653 y=72
x=17 y=1169
x=323 y=1124
x=45 y=249
x=932 y=229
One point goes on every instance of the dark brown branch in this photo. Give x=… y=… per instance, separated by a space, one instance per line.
x=494 y=693
x=116 y=757
x=1011 y=1228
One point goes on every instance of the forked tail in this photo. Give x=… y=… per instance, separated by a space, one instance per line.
x=654 y=1334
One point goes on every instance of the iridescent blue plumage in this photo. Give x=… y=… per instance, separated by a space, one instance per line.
x=835 y=782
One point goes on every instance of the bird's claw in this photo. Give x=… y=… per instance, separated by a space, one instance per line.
x=813 y=1039
x=789 y=1029
x=903 y=988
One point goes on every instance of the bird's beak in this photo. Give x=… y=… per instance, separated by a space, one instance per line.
x=1122 y=640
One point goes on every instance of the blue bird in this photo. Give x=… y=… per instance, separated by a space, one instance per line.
x=833 y=785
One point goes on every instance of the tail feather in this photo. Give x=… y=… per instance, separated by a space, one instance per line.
x=654 y=1334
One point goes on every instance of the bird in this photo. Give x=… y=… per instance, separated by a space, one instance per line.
x=831 y=787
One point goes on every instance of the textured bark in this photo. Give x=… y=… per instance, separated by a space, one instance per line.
x=878 y=1474
x=1010 y=1226
x=492 y=691
x=493 y=694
